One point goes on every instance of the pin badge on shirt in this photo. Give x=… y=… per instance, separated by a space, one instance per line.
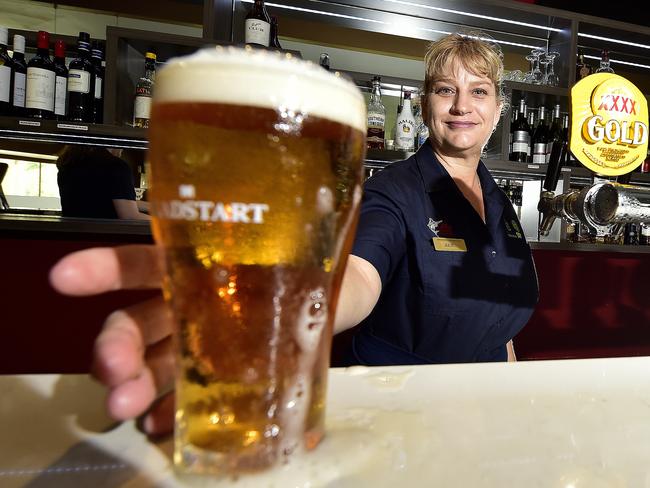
x=513 y=230
x=442 y=242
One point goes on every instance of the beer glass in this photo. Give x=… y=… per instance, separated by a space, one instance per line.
x=256 y=166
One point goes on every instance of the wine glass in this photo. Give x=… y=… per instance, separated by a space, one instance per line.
x=551 y=78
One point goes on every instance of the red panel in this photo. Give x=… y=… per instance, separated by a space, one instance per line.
x=42 y=331
x=591 y=305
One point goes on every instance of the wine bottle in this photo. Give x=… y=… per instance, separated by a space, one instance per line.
x=18 y=77
x=40 y=85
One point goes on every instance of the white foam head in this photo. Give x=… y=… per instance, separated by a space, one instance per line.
x=259 y=78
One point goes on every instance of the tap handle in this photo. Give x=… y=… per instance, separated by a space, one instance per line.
x=558 y=156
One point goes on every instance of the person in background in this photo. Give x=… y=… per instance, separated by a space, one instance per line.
x=440 y=270
x=94 y=182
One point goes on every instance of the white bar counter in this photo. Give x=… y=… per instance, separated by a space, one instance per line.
x=568 y=424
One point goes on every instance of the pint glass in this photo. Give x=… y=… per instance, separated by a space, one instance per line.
x=256 y=166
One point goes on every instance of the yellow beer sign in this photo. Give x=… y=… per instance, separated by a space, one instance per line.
x=609 y=124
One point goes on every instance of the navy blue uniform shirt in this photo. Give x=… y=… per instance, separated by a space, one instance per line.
x=440 y=306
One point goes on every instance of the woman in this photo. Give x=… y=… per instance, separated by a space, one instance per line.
x=439 y=272
x=94 y=182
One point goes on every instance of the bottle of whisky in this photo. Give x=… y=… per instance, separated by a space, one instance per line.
x=40 y=84
x=61 y=90
x=18 y=77
x=6 y=65
x=257 y=28
x=96 y=58
x=405 y=126
x=376 y=117
x=80 y=83
x=143 y=90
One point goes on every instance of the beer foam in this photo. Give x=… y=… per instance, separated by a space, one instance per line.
x=260 y=78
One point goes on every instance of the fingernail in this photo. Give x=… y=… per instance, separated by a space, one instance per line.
x=148 y=424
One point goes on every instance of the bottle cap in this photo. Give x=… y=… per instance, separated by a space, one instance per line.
x=150 y=55
x=59 y=49
x=19 y=43
x=4 y=35
x=43 y=40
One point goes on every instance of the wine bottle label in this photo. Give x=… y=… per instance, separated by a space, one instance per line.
x=519 y=147
x=19 y=89
x=5 y=83
x=375 y=135
x=376 y=120
x=142 y=107
x=60 y=95
x=405 y=134
x=257 y=32
x=39 y=89
x=79 y=81
x=98 y=88
x=539 y=158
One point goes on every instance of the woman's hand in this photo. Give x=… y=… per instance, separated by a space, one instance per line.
x=132 y=355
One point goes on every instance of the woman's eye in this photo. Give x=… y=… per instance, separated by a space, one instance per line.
x=444 y=90
x=480 y=91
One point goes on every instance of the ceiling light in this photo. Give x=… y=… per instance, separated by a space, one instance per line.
x=610 y=39
x=627 y=63
x=320 y=12
x=21 y=154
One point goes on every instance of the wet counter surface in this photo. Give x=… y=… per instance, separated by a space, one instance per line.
x=51 y=222
x=577 y=423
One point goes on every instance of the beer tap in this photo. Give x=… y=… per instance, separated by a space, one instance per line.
x=604 y=207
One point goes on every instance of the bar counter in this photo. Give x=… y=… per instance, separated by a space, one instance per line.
x=575 y=423
x=593 y=298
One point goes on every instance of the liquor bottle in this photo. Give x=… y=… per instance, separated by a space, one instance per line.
x=513 y=118
x=555 y=131
x=582 y=69
x=604 y=63
x=274 y=34
x=631 y=234
x=422 y=134
x=81 y=90
x=405 y=126
x=531 y=129
x=644 y=237
x=258 y=25
x=5 y=73
x=96 y=58
x=61 y=90
x=417 y=115
x=40 y=85
x=143 y=90
x=324 y=61
x=18 y=77
x=540 y=138
x=520 y=135
x=376 y=117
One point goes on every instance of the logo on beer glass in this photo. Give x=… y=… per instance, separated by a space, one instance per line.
x=187 y=208
x=609 y=129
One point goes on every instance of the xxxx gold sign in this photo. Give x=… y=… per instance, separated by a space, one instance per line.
x=609 y=124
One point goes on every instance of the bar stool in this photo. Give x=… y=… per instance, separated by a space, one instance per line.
x=4 y=204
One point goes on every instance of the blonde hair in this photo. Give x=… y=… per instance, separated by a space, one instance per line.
x=474 y=51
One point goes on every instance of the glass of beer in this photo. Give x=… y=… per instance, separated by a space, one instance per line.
x=256 y=170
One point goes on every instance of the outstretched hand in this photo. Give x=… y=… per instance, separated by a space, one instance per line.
x=132 y=355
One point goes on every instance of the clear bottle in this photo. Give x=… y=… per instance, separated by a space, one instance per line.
x=143 y=91
x=405 y=126
x=97 y=56
x=520 y=135
x=81 y=90
x=40 y=84
x=61 y=90
x=257 y=25
x=376 y=117
x=604 y=63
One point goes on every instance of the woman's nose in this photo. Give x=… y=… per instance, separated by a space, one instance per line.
x=462 y=104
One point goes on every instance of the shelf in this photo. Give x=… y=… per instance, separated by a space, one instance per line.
x=37 y=130
x=541 y=89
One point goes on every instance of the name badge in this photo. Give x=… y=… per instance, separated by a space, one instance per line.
x=448 y=244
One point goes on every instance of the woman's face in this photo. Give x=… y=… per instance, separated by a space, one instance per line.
x=462 y=111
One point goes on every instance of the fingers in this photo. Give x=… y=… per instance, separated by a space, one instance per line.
x=120 y=347
x=98 y=270
x=131 y=398
x=160 y=420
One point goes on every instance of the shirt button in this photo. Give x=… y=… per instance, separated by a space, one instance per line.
x=494 y=254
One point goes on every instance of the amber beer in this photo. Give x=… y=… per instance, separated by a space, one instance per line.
x=256 y=166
